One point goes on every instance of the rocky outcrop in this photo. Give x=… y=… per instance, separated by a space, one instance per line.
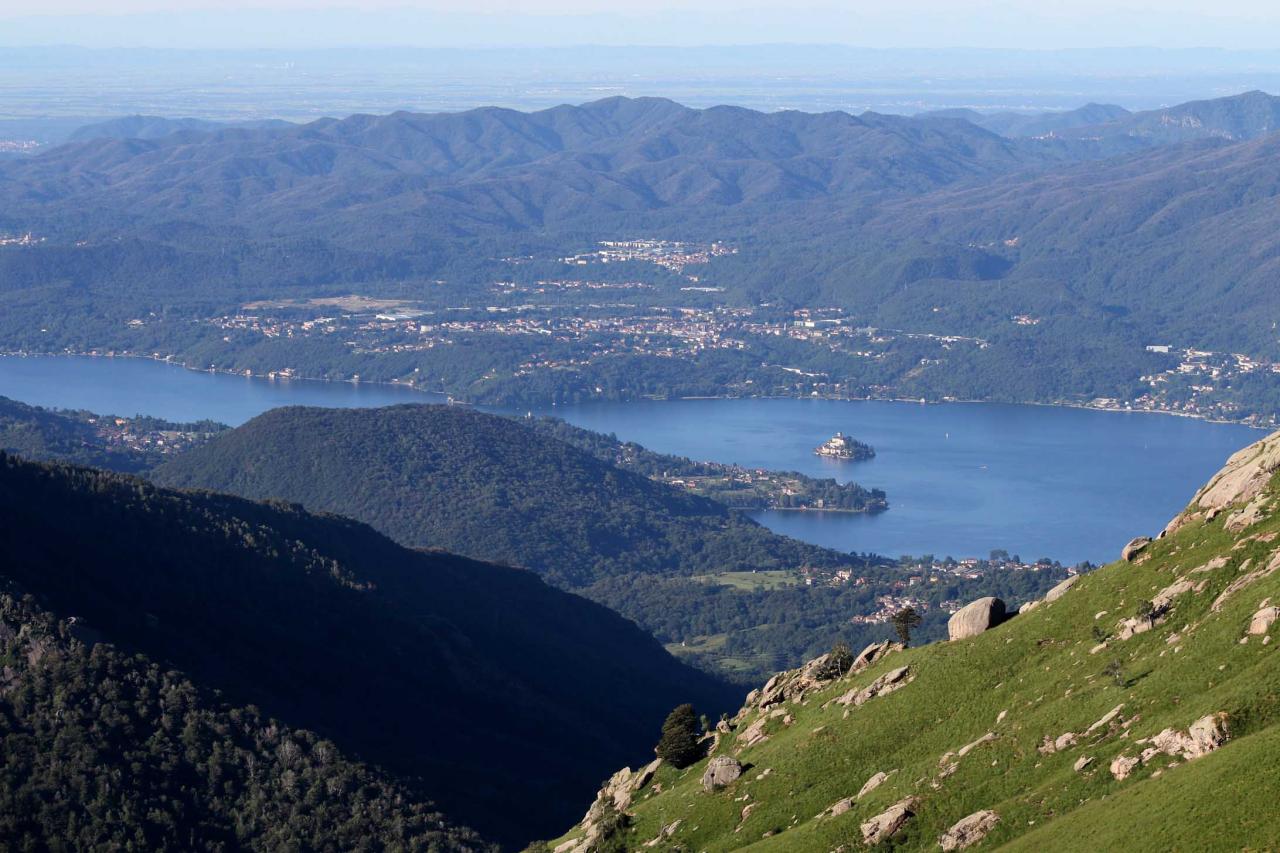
x=1246 y=578
x=721 y=772
x=1136 y=546
x=894 y=679
x=615 y=797
x=1242 y=480
x=969 y=830
x=624 y=784
x=1201 y=738
x=888 y=822
x=871 y=654
x=794 y=684
x=976 y=617
x=1123 y=766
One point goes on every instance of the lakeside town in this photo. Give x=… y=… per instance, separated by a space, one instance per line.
x=596 y=333
x=550 y=338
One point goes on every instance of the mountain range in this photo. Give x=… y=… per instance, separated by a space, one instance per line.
x=930 y=223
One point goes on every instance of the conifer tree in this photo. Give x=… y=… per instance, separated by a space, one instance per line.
x=679 y=745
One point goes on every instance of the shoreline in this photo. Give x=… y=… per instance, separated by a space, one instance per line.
x=444 y=398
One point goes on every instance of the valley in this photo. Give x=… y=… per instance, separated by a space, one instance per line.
x=594 y=448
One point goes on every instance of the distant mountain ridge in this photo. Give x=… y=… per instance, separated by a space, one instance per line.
x=496 y=168
x=157 y=127
x=1033 y=124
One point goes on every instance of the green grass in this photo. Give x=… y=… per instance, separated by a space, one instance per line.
x=752 y=580
x=1037 y=668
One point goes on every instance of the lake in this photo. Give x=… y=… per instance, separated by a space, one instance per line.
x=962 y=479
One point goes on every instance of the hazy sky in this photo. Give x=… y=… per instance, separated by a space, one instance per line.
x=1247 y=24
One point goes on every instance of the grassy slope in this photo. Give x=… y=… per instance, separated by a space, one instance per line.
x=1039 y=669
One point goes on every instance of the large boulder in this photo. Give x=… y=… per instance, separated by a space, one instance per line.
x=976 y=617
x=969 y=830
x=889 y=821
x=1263 y=620
x=1243 y=479
x=721 y=771
x=1130 y=552
x=1060 y=590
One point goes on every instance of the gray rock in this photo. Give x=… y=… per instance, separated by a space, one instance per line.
x=721 y=771
x=894 y=679
x=1263 y=620
x=969 y=830
x=1060 y=590
x=1134 y=548
x=871 y=654
x=1122 y=766
x=1245 y=477
x=889 y=821
x=976 y=617
x=871 y=784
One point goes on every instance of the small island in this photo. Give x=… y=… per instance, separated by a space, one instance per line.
x=841 y=446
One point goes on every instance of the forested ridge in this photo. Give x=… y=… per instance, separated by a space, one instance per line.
x=485 y=486
x=103 y=749
x=474 y=686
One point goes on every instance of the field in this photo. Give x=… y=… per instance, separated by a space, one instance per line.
x=753 y=580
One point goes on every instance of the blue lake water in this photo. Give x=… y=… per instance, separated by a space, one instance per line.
x=962 y=478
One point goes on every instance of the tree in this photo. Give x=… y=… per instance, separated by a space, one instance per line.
x=841 y=658
x=679 y=745
x=903 y=621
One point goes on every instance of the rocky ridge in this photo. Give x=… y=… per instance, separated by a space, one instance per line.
x=1103 y=694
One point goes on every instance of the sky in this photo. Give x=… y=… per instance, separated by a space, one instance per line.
x=1040 y=24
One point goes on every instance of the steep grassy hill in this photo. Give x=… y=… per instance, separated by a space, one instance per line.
x=1137 y=709
x=476 y=686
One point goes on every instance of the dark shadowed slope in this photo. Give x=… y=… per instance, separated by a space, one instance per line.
x=101 y=748
x=500 y=698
